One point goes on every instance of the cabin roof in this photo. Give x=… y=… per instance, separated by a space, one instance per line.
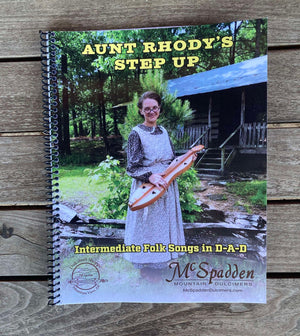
x=246 y=73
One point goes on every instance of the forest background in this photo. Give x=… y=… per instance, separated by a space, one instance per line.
x=97 y=105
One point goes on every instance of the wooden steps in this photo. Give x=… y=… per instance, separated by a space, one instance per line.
x=210 y=162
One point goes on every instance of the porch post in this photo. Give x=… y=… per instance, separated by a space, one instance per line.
x=209 y=116
x=243 y=109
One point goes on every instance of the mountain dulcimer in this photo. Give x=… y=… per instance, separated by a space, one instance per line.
x=148 y=193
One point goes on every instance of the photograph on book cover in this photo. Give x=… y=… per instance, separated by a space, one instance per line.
x=162 y=143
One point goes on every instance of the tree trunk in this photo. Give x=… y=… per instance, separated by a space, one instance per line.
x=93 y=128
x=65 y=145
x=232 y=49
x=102 y=113
x=74 y=123
x=75 y=128
x=81 y=129
x=59 y=119
x=257 y=39
x=116 y=130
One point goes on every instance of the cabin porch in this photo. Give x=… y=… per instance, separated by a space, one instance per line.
x=247 y=139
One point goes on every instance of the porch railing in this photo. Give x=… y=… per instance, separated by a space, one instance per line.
x=222 y=147
x=253 y=135
x=195 y=135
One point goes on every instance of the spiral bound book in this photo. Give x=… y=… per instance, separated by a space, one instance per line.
x=156 y=142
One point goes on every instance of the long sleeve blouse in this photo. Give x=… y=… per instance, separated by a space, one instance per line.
x=135 y=153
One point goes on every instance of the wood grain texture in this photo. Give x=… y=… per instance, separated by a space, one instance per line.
x=283 y=86
x=21 y=104
x=22 y=174
x=24 y=250
x=24 y=311
x=283 y=238
x=23 y=242
x=283 y=163
x=20 y=21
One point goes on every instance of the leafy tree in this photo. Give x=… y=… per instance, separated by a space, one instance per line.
x=92 y=86
x=174 y=111
x=114 y=203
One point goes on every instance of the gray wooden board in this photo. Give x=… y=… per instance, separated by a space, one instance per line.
x=283 y=85
x=21 y=20
x=24 y=311
x=283 y=163
x=21 y=94
x=23 y=248
x=24 y=252
x=22 y=173
x=282 y=237
x=21 y=103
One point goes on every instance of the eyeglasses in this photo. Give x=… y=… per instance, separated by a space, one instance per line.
x=149 y=109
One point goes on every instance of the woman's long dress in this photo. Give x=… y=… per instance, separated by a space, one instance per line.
x=150 y=152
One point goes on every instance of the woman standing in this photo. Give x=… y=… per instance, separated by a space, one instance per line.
x=149 y=153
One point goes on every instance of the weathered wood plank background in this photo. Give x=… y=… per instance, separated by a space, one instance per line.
x=23 y=254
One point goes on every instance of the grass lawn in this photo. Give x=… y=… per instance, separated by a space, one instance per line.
x=76 y=188
x=254 y=192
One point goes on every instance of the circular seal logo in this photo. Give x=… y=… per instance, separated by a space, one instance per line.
x=85 y=277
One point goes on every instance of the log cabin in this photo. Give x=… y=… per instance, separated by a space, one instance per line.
x=229 y=114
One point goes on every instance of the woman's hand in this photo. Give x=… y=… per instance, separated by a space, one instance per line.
x=158 y=181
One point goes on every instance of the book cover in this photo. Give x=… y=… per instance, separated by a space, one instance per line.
x=157 y=142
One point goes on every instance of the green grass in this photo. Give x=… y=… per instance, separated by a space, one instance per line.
x=75 y=187
x=254 y=192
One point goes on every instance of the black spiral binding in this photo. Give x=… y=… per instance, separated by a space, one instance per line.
x=49 y=88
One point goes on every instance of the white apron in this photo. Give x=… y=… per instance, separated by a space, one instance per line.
x=160 y=222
